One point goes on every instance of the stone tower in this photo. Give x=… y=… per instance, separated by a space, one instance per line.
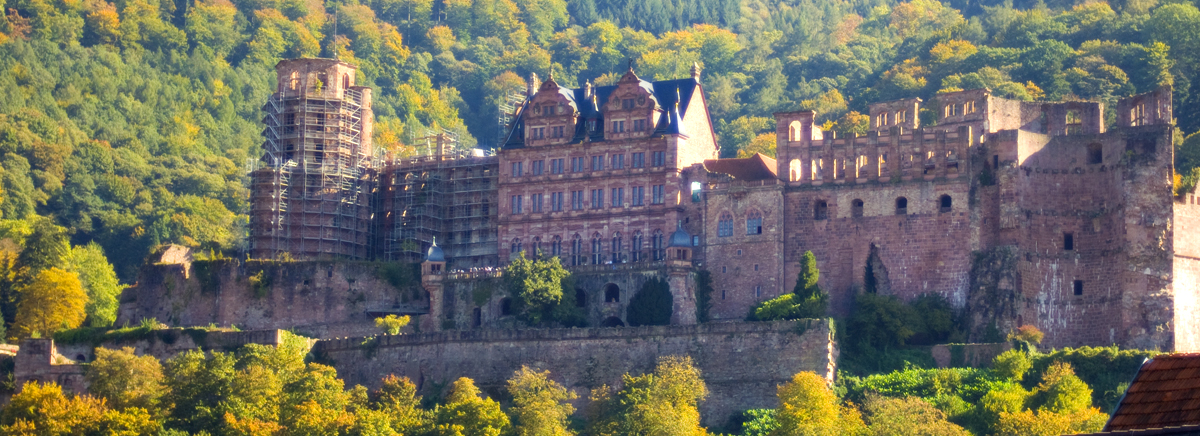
x=311 y=196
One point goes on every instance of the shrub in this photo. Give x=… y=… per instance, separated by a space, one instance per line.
x=392 y=324
x=1012 y=364
x=651 y=305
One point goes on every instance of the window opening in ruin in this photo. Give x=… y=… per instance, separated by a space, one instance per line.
x=856 y=208
x=944 y=203
x=1068 y=241
x=345 y=81
x=612 y=293
x=754 y=222
x=1078 y=285
x=901 y=116
x=818 y=169
x=820 y=210
x=722 y=294
x=505 y=306
x=1074 y=122
x=969 y=107
x=580 y=298
x=995 y=161
x=901 y=206
x=794 y=170
x=1095 y=153
x=294 y=81
x=725 y=225
x=1137 y=115
x=696 y=188
x=1043 y=126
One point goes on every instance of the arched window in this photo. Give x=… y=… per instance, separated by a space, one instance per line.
x=597 y=255
x=505 y=306
x=856 y=208
x=1095 y=153
x=754 y=223
x=537 y=246
x=577 y=250
x=556 y=246
x=944 y=203
x=345 y=82
x=612 y=293
x=635 y=247
x=794 y=130
x=515 y=247
x=901 y=206
x=820 y=210
x=725 y=224
x=656 y=242
x=616 y=247
x=794 y=169
x=294 y=81
x=580 y=298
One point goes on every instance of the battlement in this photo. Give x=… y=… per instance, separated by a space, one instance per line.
x=889 y=155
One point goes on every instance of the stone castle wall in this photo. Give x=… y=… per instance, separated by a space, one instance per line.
x=742 y=363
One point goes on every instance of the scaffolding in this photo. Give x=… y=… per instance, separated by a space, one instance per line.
x=312 y=196
x=446 y=194
x=506 y=112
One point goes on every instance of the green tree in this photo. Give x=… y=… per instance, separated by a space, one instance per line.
x=536 y=285
x=807 y=300
x=651 y=305
x=1012 y=364
x=397 y=398
x=53 y=301
x=126 y=380
x=44 y=407
x=98 y=280
x=466 y=413
x=540 y=405
x=909 y=416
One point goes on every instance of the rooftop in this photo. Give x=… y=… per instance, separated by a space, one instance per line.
x=757 y=167
x=1165 y=393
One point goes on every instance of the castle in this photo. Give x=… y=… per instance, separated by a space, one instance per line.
x=1016 y=212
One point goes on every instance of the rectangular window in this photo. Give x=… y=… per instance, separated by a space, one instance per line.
x=516 y=204
x=660 y=158
x=1068 y=241
x=657 y=192
x=517 y=169
x=597 y=163
x=558 y=131
x=576 y=200
x=638 y=160
x=556 y=202
x=639 y=125
x=536 y=202
x=627 y=103
x=577 y=164
x=537 y=166
x=618 y=162
x=597 y=198
x=637 y=195
x=618 y=197
x=1078 y=287
x=556 y=166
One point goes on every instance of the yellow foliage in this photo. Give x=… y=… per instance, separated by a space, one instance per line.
x=808 y=407
x=44 y=407
x=763 y=143
x=250 y=427
x=1047 y=423
x=955 y=50
x=54 y=301
x=392 y=324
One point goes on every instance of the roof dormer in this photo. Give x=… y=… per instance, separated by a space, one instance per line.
x=550 y=115
x=631 y=111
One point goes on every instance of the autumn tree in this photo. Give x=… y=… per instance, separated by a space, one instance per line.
x=466 y=413
x=125 y=379
x=808 y=407
x=663 y=402
x=909 y=416
x=53 y=301
x=44 y=407
x=540 y=405
x=392 y=324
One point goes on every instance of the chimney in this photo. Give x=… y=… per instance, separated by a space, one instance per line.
x=696 y=72
x=531 y=87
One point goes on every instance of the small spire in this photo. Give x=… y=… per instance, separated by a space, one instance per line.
x=630 y=65
x=587 y=89
x=434 y=241
x=696 y=71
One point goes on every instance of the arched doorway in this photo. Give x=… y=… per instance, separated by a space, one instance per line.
x=612 y=293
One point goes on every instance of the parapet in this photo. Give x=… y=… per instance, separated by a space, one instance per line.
x=896 y=113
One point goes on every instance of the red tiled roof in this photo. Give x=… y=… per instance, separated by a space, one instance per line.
x=1165 y=393
x=757 y=167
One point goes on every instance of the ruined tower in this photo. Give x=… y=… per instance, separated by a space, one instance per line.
x=310 y=197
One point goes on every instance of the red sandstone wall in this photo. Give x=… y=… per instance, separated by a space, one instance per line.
x=741 y=262
x=1186 y=268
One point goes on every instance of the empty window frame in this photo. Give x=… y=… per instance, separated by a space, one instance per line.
x=856 y=208
x=945 y=203
x=820 y=210
x=1068 y=241
x=901 y=206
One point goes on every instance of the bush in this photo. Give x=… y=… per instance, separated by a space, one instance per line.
x=1105 y=369
x=807 y=300
x=1012 y=364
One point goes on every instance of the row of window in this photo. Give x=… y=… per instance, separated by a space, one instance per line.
x=821 y=207
x=597 y=163
x=637 y=197
x=617 y=251
x=754 y=224
x=887 y=119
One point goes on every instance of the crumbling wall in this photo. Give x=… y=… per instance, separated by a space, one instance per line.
x=742 y=363
x=317 y=299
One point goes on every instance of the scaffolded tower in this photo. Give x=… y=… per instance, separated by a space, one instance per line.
x=311 y=197
x=444 y=193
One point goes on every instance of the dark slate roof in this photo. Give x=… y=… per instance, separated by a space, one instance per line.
x=757 y=167
x=435 y=253
x=666 y=92
x=680 y=238
x=1164 y=393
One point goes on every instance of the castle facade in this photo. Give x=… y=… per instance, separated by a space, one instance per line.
x=1015 y=212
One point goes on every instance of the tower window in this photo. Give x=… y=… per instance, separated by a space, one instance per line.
x=901 y=206
x=944 y=203
x=1078 y=287
x=820 y=210
x=1068 y=241
x=856 y=208
x=1095 y=153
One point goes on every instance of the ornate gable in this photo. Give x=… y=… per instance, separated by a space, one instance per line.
x=550 y=115
x=631 y=111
